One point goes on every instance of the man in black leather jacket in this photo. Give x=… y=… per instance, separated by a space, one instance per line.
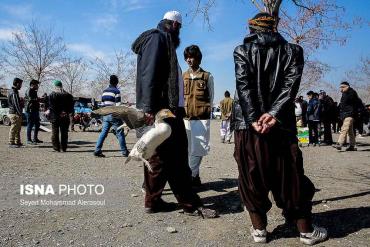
x=268 y=72
x=349 y=105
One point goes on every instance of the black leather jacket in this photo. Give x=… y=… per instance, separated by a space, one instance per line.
x=237 y=119
x=268 y=73
x=349 y=104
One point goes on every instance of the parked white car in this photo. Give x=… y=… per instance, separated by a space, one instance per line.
x=4 y=111
x=216 y=112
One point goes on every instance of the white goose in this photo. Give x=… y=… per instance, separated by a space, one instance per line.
x=147 y=144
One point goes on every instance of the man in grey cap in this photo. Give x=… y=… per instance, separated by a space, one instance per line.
x=160 y=85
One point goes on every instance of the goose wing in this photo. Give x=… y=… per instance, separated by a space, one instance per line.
x=131 y=116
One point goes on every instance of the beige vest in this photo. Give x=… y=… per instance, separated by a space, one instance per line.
x=226 y=106
x=197 y=98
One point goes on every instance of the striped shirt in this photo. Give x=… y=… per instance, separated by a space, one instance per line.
x=111 y=96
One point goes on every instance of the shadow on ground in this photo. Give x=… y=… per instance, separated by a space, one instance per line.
x=92 y=150
x=338 y=198
x=226 y=203
x=80 y=142
x=342 y=222
x=220 y=185
x=51 y=147
x=339 y=223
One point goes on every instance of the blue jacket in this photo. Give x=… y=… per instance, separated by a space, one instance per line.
x=313 y=110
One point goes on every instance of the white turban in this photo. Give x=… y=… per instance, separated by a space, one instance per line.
x=173 y=16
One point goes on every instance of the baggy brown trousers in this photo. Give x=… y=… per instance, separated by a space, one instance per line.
x=170 y=164
x=272 y=162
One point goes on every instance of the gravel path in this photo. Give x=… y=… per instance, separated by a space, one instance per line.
x=341 y=203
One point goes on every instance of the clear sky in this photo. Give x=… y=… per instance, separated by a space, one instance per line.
x=99 y=27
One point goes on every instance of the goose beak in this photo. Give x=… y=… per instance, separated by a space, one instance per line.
x=170 y=115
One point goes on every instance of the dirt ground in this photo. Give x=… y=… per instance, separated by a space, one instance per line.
x=341 y=203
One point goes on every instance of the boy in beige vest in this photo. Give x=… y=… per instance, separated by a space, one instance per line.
x=198 y=93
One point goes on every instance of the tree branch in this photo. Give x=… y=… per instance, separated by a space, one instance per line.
x=258 y=6
x=302 y=6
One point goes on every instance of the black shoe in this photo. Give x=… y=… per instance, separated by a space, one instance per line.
x=351 y=148
x=100 y=155
x=161 y=206
x=125 y=153
x=19 y=144
x=338 y=147
x=196 y=182
x=56 y=150
x=289 y=220
x=38 y=141
x=31 y=143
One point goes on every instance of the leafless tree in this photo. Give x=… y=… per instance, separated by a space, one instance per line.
x=121 y=64
x=2 y=77
x=202 y=8
x=33 y=53
x=315 y=26
x=72 y=72
x=359 y=78
x=313 y=73
x=2 y=70
x=312 y=24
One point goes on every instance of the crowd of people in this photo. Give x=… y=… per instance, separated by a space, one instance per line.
x=59 y=109
x=263 y=115
x=323 y=116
